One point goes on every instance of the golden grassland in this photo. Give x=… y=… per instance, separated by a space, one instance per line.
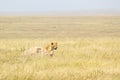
x=88 y=48
x=59 y=27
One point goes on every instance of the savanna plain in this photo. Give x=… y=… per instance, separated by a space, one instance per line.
x=88 y=47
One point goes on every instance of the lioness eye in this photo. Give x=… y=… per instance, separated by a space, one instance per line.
x=52 y=43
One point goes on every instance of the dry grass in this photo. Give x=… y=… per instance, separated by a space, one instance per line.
x=79 y=57
x=60 y=27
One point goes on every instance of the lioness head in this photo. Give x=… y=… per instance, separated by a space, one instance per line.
x=52 y=46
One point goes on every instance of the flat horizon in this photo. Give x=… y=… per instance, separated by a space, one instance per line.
x=56 y=13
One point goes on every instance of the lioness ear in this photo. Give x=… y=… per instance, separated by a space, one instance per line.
x=51 y=43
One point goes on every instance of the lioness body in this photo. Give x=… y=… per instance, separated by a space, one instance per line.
x=48 y=50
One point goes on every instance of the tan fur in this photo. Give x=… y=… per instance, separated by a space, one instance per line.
x=48 y=50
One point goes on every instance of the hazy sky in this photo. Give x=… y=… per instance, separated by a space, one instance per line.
x=60 y=6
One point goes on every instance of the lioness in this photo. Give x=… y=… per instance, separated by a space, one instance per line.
x=48 y=50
